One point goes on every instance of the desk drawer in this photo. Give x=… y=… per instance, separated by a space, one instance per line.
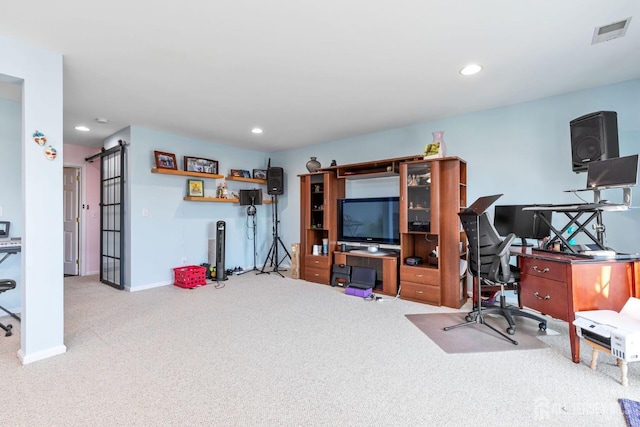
x=544 y=269
x=421 y=293
x=316 y=261
x=546 y=296
x=318 y=275
x=419 y=275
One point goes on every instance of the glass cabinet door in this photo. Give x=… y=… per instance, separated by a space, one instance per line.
x=418 y=194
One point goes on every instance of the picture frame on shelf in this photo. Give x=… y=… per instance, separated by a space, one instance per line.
x=235 y=172
x=195 y=188
x=259 y=174
x=165 y=160
x=199 y=164
x=245 y=173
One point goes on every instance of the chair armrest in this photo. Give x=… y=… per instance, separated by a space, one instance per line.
x=500 y=266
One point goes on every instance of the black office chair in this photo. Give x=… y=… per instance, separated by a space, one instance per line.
x=494 y=270
x=7 y=285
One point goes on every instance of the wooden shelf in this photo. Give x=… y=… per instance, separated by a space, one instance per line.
x=217 y=200
x=186 y=173
x=374 y=169
x=239 y=178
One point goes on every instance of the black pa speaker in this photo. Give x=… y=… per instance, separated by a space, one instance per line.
x=275 y=181
x=593 y=137
x=221 y=273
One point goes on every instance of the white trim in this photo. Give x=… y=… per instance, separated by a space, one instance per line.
x=149 y=286
x=40 y=355
x=82 y=213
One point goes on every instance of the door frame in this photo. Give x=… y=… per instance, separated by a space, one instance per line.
x=82 y=210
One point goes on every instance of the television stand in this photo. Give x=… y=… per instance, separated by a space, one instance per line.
x=386 y=266
x=379 y=252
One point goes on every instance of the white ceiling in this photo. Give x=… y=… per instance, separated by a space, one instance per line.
x=314 y=71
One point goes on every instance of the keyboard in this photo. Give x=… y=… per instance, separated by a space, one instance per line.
x=10 y=244
x=578 y=207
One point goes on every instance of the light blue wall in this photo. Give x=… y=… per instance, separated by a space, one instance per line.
x=11 y=195
x=522 y=151
x=175 y=228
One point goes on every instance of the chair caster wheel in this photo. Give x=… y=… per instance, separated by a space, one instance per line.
x=542 y=326
x=468 y=318
x=511 y=331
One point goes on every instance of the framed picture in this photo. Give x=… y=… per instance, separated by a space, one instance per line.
x=260 y=174
x=235 y=172
x=195 y=188
x=198 y=164
x=165 y=160
x=246 y=174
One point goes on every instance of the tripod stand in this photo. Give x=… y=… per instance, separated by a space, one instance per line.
x=251 y=213
x=273 y=251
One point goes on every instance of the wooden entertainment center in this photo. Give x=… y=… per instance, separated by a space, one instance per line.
x=431 y=192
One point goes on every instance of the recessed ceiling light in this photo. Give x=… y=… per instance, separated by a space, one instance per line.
x=256 y=130
x=102 y=120
x=471 y=69
x=82 y=128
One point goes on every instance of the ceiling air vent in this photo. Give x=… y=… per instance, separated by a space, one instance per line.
x=610 y=31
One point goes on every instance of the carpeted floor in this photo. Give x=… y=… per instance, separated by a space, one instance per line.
x=476 y=338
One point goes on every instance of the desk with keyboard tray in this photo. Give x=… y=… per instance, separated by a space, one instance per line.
x=576 y=213
x=559 y=284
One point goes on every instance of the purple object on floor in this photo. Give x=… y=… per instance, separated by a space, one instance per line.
x=631 y=410
x=357 y=292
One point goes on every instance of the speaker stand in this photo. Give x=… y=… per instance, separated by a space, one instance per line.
x=273 y=256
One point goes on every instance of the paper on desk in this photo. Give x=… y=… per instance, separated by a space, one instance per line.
x=632 y=308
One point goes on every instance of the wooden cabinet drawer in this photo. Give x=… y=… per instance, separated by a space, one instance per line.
x=317 y=275
x=421 y=293
x=315 y=261
x=425 y=276
x=544 y=269
x=546 y=296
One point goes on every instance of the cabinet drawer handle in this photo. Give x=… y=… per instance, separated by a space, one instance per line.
x=419 y=292
x=418 y=275
x=537 y=295
x=535 y=268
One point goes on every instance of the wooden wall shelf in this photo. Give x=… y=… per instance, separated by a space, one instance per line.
x=239 y=178
x=217 y=200
x=186 y=173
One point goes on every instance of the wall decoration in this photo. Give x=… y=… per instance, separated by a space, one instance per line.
x=246 y=173
x=39 y=137
x=259 y=174
x=50 y=153
x=235 y=172
x=195 y=188
x=165 y=160
x=198 y=164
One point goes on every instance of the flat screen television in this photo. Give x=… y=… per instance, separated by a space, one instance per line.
x=374 y=220
x=524 y=224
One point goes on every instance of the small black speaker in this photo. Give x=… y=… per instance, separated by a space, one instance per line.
x=593 y=137
x=275 y=181
x=221 y=273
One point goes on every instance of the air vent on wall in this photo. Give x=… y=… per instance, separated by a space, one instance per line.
x=610 y=31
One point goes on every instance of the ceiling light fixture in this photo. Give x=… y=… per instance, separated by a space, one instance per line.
x=471 y=69
x=82 y=128
x=102 y=120
x=256 y=130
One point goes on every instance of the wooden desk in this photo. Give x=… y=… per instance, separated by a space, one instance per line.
x=387 y=265
x=560 y=284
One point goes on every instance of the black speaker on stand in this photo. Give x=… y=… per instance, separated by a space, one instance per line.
x=275 y=186
x=275 y=181
x=594 y=137
x=221 y=272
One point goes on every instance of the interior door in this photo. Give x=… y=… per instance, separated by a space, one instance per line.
x=71 y=220
x=112 y=217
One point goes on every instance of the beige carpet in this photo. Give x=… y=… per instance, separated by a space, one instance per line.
x=476 y=338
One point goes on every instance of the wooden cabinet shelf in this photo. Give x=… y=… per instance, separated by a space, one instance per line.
x=186 y=173
x=374 y=169
x=239 y=178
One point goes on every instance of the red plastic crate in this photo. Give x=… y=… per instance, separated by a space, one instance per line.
x=190 y=276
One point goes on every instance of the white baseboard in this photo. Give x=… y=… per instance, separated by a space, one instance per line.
x=149 y=286
x=40 y=355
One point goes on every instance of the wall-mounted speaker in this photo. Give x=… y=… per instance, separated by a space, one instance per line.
x=593 y=137
x=221 y=273
x=275 y=181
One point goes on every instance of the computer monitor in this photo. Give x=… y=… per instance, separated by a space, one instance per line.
x=523 y=223
x=4 y=229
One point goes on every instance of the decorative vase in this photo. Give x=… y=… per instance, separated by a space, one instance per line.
x=313 y=165
x=436 y=148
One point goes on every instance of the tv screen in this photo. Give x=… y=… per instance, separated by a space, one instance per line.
x=524 y=224
x=369 y=220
